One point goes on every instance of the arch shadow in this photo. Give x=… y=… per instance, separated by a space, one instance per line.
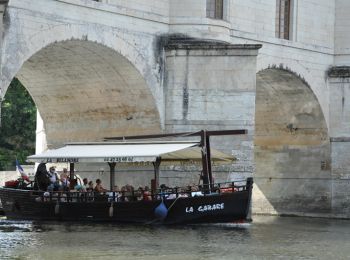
x=318 y=88
x=292 y=149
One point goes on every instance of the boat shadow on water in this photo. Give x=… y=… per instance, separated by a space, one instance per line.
x=7 y=226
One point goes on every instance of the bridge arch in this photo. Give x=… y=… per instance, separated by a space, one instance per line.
x=316 y=83
x=136 y=50
x=116 y=92
x=292 y=148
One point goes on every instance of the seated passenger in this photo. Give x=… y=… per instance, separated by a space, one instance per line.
x=130 y=192
x=99 y=188
x=54 y=180
x=139 y=193
x=163 y=191
x=147 y=194
x=90 y=187
x=46 y=196
x=64 y=178
x=127 y=193
x=163 y=187
x=194 y=188
x=195 y=191
x=123 y=193
x=114 y=193
x=85 y=184
x=79 y=188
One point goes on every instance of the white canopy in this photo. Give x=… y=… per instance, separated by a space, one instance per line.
x=127 y=152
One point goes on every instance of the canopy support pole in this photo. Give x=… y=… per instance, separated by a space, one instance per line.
x=71 y=172
x=156 y=165
x=210 y=175
x=205 y=164
x=112 y=174
x=71 y=176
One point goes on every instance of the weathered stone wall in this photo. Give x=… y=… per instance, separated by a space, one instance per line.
x=339 y=83
x=341 y=176
x=211 y=85
x=134 y=176
x=155 y=9
x=342 y=38
x=309 y=53
x=313 y=21
x=189 y=17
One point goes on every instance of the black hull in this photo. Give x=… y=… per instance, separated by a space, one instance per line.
x=219 y=208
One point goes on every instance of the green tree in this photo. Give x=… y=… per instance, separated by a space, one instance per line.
x=18 y=122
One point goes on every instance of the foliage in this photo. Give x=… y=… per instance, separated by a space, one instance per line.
x=18 y=122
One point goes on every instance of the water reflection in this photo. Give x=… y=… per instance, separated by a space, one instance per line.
x=266 y=238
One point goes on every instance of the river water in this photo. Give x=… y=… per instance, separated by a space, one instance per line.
x=265 y=238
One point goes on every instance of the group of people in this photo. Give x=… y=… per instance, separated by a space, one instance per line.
x=128 y=193
x=52 y=181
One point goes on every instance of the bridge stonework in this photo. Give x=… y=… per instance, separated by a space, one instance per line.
x=111 y=67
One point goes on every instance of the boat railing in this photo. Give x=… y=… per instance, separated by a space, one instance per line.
x=140 y=195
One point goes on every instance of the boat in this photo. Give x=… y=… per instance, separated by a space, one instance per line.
x=209 y=202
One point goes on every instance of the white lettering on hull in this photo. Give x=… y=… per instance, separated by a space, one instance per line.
x=204 y=208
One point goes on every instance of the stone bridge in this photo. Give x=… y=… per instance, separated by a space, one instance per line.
x=106 y=68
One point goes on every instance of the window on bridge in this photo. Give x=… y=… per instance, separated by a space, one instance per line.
x=283 y=19
x=215 y=9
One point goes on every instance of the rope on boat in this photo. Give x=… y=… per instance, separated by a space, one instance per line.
x=172 y=204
